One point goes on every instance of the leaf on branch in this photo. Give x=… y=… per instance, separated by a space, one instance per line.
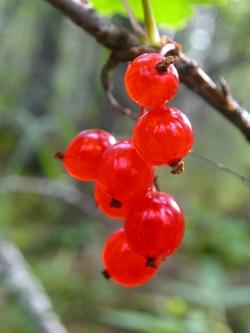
x=209 y=2
x=172 y=14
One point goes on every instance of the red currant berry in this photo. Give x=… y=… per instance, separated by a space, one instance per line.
x=163 y=135
x=123 y=174
x=109 y=206
x=154 y=225
x=83 y=154
x=123 y=265
x=150 y=80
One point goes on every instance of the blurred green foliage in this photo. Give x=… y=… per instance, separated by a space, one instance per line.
x=172 y=14
x=49 y=90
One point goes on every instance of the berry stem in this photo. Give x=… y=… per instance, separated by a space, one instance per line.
x=150 y=24
x=59 y=155
x=163 y=65
x=156 y=183
x=106 y=274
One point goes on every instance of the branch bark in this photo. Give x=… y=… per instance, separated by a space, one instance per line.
x=15 y=270
x=126 y=46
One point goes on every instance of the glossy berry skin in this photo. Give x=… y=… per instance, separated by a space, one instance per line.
x=154 y=225
x=112 y=208
x=146 y=85
x=83 y=154
x=163 y=136
x=123 y=174
x=122 y=264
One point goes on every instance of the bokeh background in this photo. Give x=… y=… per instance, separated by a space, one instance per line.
x=49 y=90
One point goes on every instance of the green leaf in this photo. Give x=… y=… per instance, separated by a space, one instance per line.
x=209 y=2
x=107 y=7
x=173 y=14
x=168 y=13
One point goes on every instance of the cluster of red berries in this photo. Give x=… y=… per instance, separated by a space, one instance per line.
x=124 y=173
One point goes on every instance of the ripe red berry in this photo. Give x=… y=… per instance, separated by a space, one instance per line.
x=109 y=206
x=82 y=157
x=123 y=174
x=122 y=264
x=154 y=225
x=163 y=135
x=150 y=80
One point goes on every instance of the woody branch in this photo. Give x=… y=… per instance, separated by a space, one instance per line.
x=125 y=46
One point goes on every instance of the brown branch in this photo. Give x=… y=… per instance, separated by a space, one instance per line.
x=219 y=97
x=107 y=83
x=116 y=38
x=125 y=46
x=133 y=21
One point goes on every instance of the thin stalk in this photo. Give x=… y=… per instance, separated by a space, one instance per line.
x=133 y=21
x=150 y=23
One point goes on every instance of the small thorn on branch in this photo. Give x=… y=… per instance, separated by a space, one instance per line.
x=177 y=168
x=226 y=93
x=224 y=87
x=163 y=65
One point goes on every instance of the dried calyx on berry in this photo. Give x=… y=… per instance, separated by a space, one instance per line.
x=151 y=262
x=163 y=136
x=114 y=203
x=154 y=226
x=109 y=206
x=59 y=155
x=106 y=274
x=125 y=266
x=123 y=174
x=163 y=65
x=151 y=79
x=177 y=168
x=83 y=155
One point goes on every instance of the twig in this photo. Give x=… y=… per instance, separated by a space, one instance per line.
x=197 y=80
x=49 y=188
x=156 y=183
x=126 y=46
x=223 y=167
x=107 y=83
x=134 y=23
x=15 y=270
x=153 y=34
